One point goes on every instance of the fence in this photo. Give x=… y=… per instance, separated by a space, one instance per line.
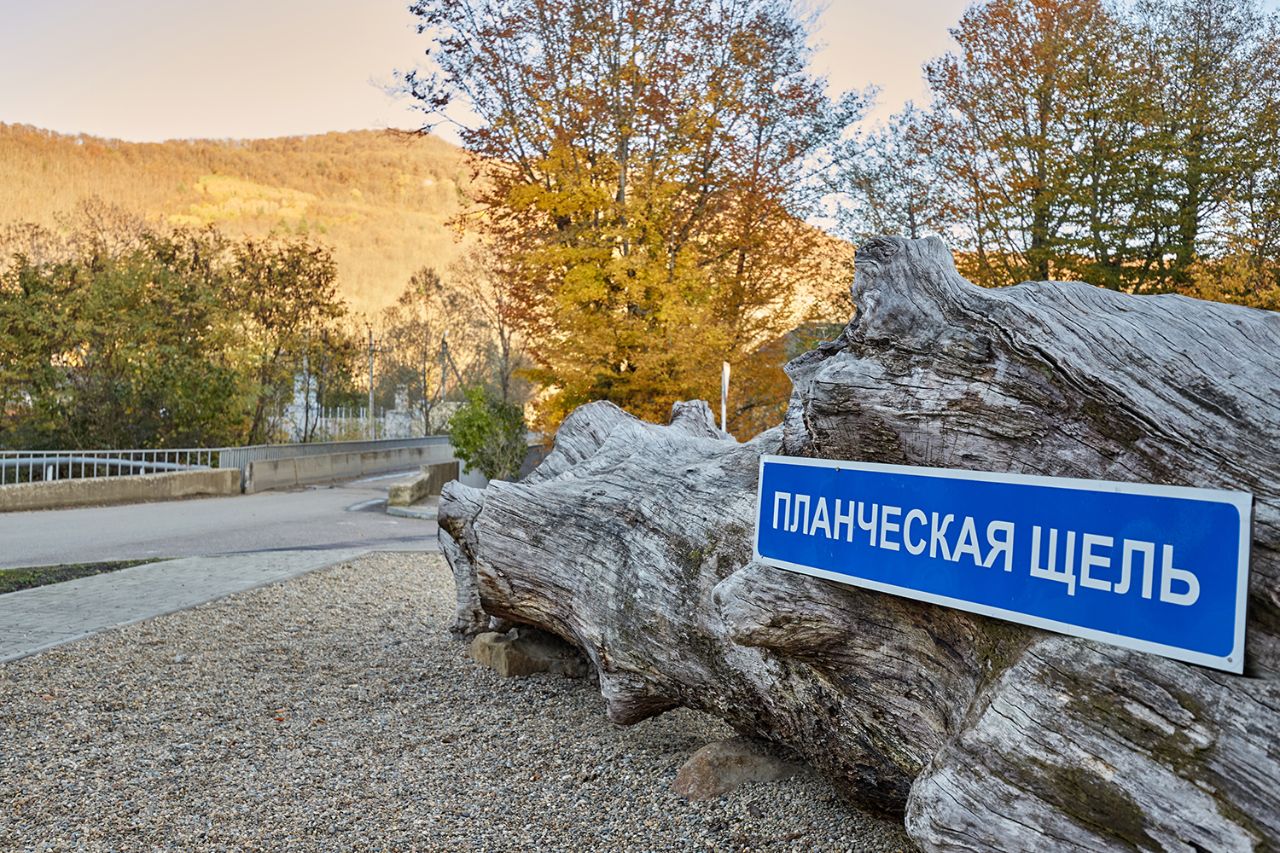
x=28 y=466
x=354 y=424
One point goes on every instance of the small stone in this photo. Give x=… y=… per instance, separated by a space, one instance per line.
x=725 y=765
x=524 y=651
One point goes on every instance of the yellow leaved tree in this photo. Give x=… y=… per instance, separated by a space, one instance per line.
x=643 y=165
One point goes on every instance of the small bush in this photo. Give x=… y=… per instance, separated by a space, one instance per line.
x=489 y=435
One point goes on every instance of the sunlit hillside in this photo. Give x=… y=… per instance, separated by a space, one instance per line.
x=380 y=199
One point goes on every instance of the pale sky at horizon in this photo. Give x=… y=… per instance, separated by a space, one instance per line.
x=158 y=69
x=150 y=70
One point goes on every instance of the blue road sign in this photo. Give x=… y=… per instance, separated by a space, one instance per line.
x=1160 y=569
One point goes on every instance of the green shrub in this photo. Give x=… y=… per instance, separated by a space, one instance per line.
x=488 y=434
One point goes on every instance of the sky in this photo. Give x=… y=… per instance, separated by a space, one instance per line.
x=150 y=70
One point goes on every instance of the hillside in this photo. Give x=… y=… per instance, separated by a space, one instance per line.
x=381 y=200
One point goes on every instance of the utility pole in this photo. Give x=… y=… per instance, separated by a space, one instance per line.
x=444 y=364
x=373 y=352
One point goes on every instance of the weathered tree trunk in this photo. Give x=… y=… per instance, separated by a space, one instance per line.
x=632 y=541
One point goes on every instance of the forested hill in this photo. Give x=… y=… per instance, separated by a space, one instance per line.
x=381 y=200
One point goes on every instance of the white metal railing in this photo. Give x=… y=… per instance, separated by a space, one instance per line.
x=29 y=466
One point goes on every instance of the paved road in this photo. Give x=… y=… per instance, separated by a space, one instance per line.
x=342 y=517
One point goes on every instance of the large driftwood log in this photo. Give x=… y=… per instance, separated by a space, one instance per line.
x=632 y=541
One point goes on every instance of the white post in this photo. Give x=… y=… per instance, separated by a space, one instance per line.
x=724 y=396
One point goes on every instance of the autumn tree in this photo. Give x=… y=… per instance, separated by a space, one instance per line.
x=116 y=332
x=450 y=333
x=1131 y=146
x=641 y=166
x=1011 y=104
x=428 y=317
x=489 y=282
x=115 y=337
x=1213 y=83
x=889 y=180
x=331 y=357
x=284 y=293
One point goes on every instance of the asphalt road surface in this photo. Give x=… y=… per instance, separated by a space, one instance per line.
x=347 y=515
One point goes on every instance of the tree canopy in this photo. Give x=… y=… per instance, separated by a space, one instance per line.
x=1133 y=146
x=642 y=166
x=117 y=333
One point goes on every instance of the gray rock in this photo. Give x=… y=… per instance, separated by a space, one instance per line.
x=727 y=765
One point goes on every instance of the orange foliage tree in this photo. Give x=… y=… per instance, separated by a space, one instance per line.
x=642 y=165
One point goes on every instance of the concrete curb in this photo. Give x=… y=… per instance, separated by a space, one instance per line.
x=426 y=513
x=429 y=481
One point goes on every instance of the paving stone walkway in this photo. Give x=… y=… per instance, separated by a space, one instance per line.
x=33 y=620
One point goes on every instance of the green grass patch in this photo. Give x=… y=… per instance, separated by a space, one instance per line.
x=12 y=580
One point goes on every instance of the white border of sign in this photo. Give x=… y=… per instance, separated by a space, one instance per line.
x=1242 y=501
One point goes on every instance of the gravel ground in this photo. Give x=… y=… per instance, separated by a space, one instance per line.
x=335 y=712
